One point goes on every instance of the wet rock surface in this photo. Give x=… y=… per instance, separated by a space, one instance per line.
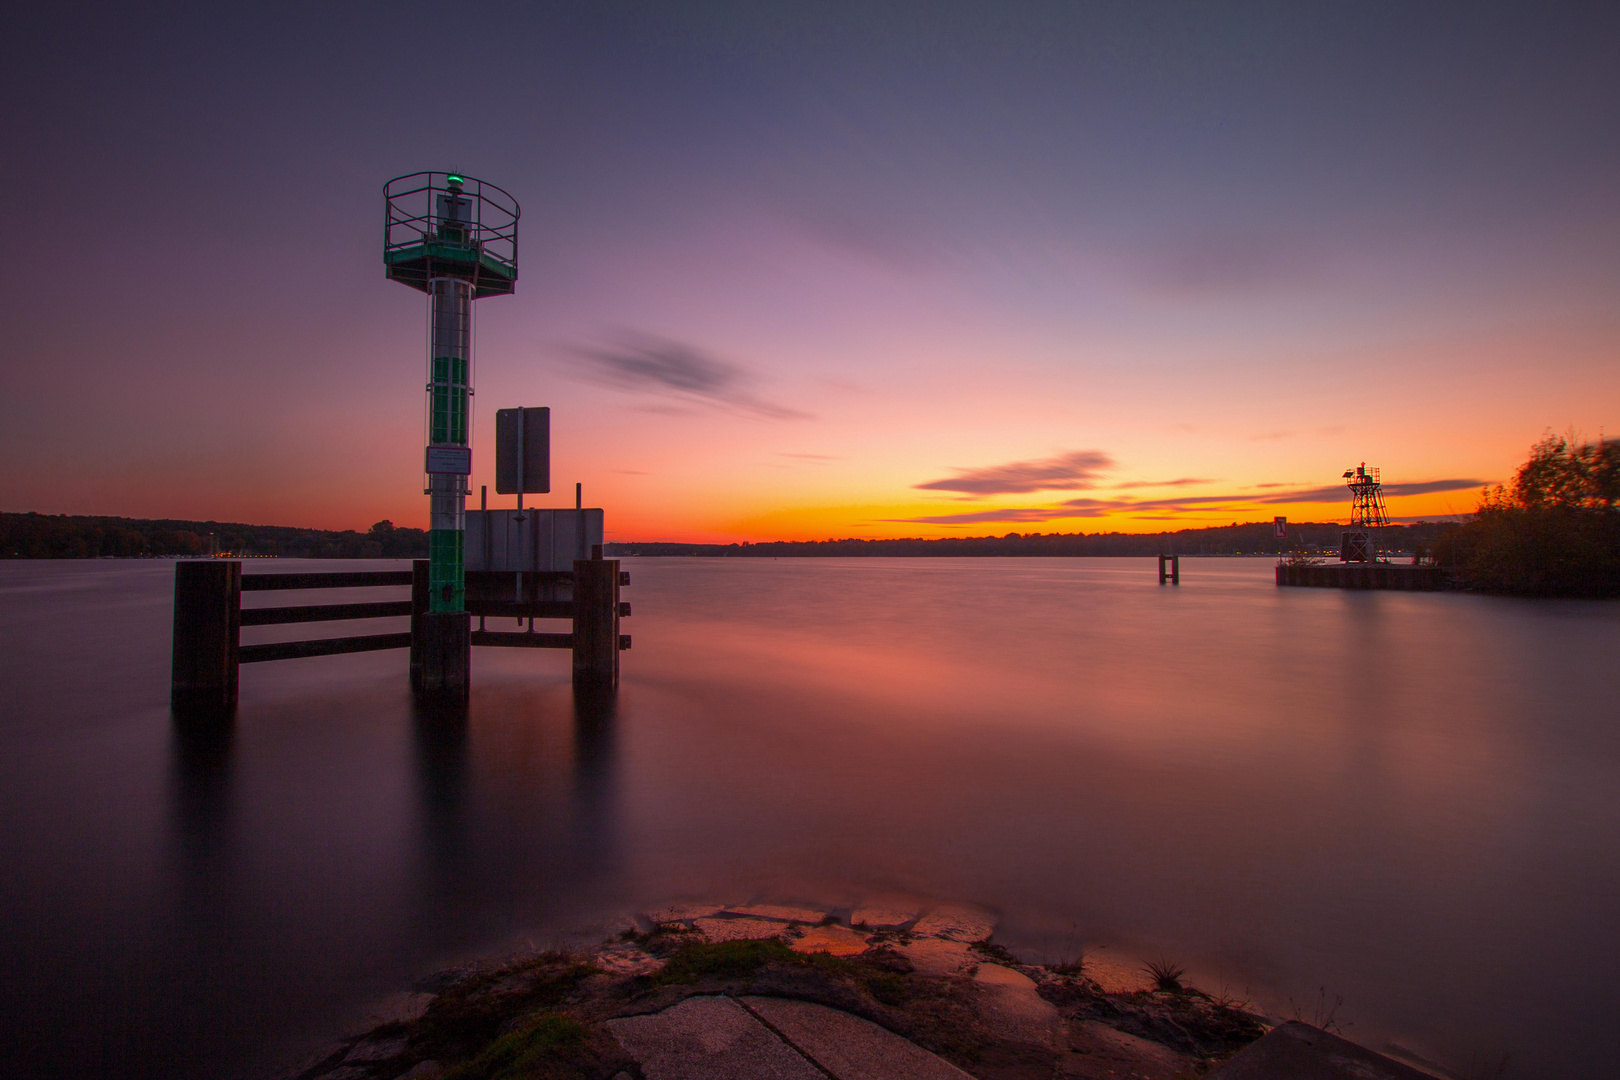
x=700 y=990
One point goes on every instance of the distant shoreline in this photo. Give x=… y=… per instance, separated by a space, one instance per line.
x=65 y=536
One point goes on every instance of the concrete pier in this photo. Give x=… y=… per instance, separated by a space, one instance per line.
x=1364 y=576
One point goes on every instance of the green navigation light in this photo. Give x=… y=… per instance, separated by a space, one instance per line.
x=452 y=178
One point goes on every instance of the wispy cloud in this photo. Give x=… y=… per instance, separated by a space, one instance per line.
x=1230 y=264
x=1073 y=471
x=645 y=364
x=1008 y=514
x=1167 y=508
x=811 y=457
x=1433 y=485
x=1186 y=481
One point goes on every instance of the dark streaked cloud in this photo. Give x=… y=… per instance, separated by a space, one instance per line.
x=1230 y=264
x=646 y=364
x=1168 y=508
x=1185 y=481
x=1075 y=470
x=1433 y=485
x=1010 y=514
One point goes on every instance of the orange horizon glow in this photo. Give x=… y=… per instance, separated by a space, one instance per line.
x=785 y=300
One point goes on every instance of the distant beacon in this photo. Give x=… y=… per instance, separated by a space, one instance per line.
x=1367 y=514
x=454 y=238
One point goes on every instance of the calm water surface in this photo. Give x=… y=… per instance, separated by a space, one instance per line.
x=1410 y=802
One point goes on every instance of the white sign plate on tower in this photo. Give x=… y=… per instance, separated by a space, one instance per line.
x=1282 y=527
x=453 y=460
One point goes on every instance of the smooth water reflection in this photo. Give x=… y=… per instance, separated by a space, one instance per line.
x=1406 y=800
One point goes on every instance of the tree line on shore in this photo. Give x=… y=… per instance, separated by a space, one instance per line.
x=61 y=536
x=1252 y=538
x=64 y=536
x=1554 y=531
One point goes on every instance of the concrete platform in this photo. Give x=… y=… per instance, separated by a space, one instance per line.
x=709 y=1038
x=849 y=1047
x=1298 y=1051
x=1334 y=575
x=761 y=1038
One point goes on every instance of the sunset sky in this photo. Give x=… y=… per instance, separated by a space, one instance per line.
x=817 y=270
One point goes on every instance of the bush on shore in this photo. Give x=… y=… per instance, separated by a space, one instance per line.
x=1555 y=531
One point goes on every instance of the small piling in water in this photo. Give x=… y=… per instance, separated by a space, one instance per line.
x=596 y=622
x=1170 y=569
x=207 y=621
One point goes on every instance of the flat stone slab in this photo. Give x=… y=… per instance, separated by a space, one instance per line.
x=784 y=912
x=1017 y=1011
x=627 y=959
x=738 y=929
x=1116 y=973
x=1298 y=1051
x=837 y=940
x=849 y=1047
x=708 y=1038
x=399 y=1008
x=373 y=1050
x=684 y=912
x=883 y=915
x=936 y=956
x=958 y=922
x=1098 y=1052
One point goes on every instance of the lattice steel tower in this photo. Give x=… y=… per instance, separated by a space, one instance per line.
x=1366 y=514
x=454 y=238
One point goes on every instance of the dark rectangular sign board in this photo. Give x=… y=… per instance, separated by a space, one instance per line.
x=522 y=451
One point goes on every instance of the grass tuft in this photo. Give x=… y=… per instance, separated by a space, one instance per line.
x=470 y=1014
x=1166 y=976
x=699 y=960
x=549 y=1039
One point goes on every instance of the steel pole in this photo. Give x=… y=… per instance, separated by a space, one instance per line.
x=449 y=386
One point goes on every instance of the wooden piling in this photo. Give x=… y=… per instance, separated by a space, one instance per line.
x=596 y=623
x=419 y=606
x=207 y=636
x=1170 y=569
x=443 y=645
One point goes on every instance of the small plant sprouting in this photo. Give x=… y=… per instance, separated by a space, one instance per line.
x=1071 y=961
x=1322 y=1014
x=1166 y=976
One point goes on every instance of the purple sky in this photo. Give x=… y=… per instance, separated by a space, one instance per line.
x=785 y=269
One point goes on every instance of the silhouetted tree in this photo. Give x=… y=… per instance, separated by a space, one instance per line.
x=1555 y=531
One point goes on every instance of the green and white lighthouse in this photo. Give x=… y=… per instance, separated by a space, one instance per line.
x=454 y=238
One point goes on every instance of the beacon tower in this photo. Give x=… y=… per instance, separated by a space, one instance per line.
x=455 y=239
x=1367 y=514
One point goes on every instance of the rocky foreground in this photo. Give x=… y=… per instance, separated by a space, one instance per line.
x=786 y=993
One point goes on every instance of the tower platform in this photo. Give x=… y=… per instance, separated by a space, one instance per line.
x=1360 y=575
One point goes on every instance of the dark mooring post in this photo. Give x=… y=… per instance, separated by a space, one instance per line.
x=596 y=622
x=1170 y=569
x=207 y=636
x=441 y=645
x=419 y=606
